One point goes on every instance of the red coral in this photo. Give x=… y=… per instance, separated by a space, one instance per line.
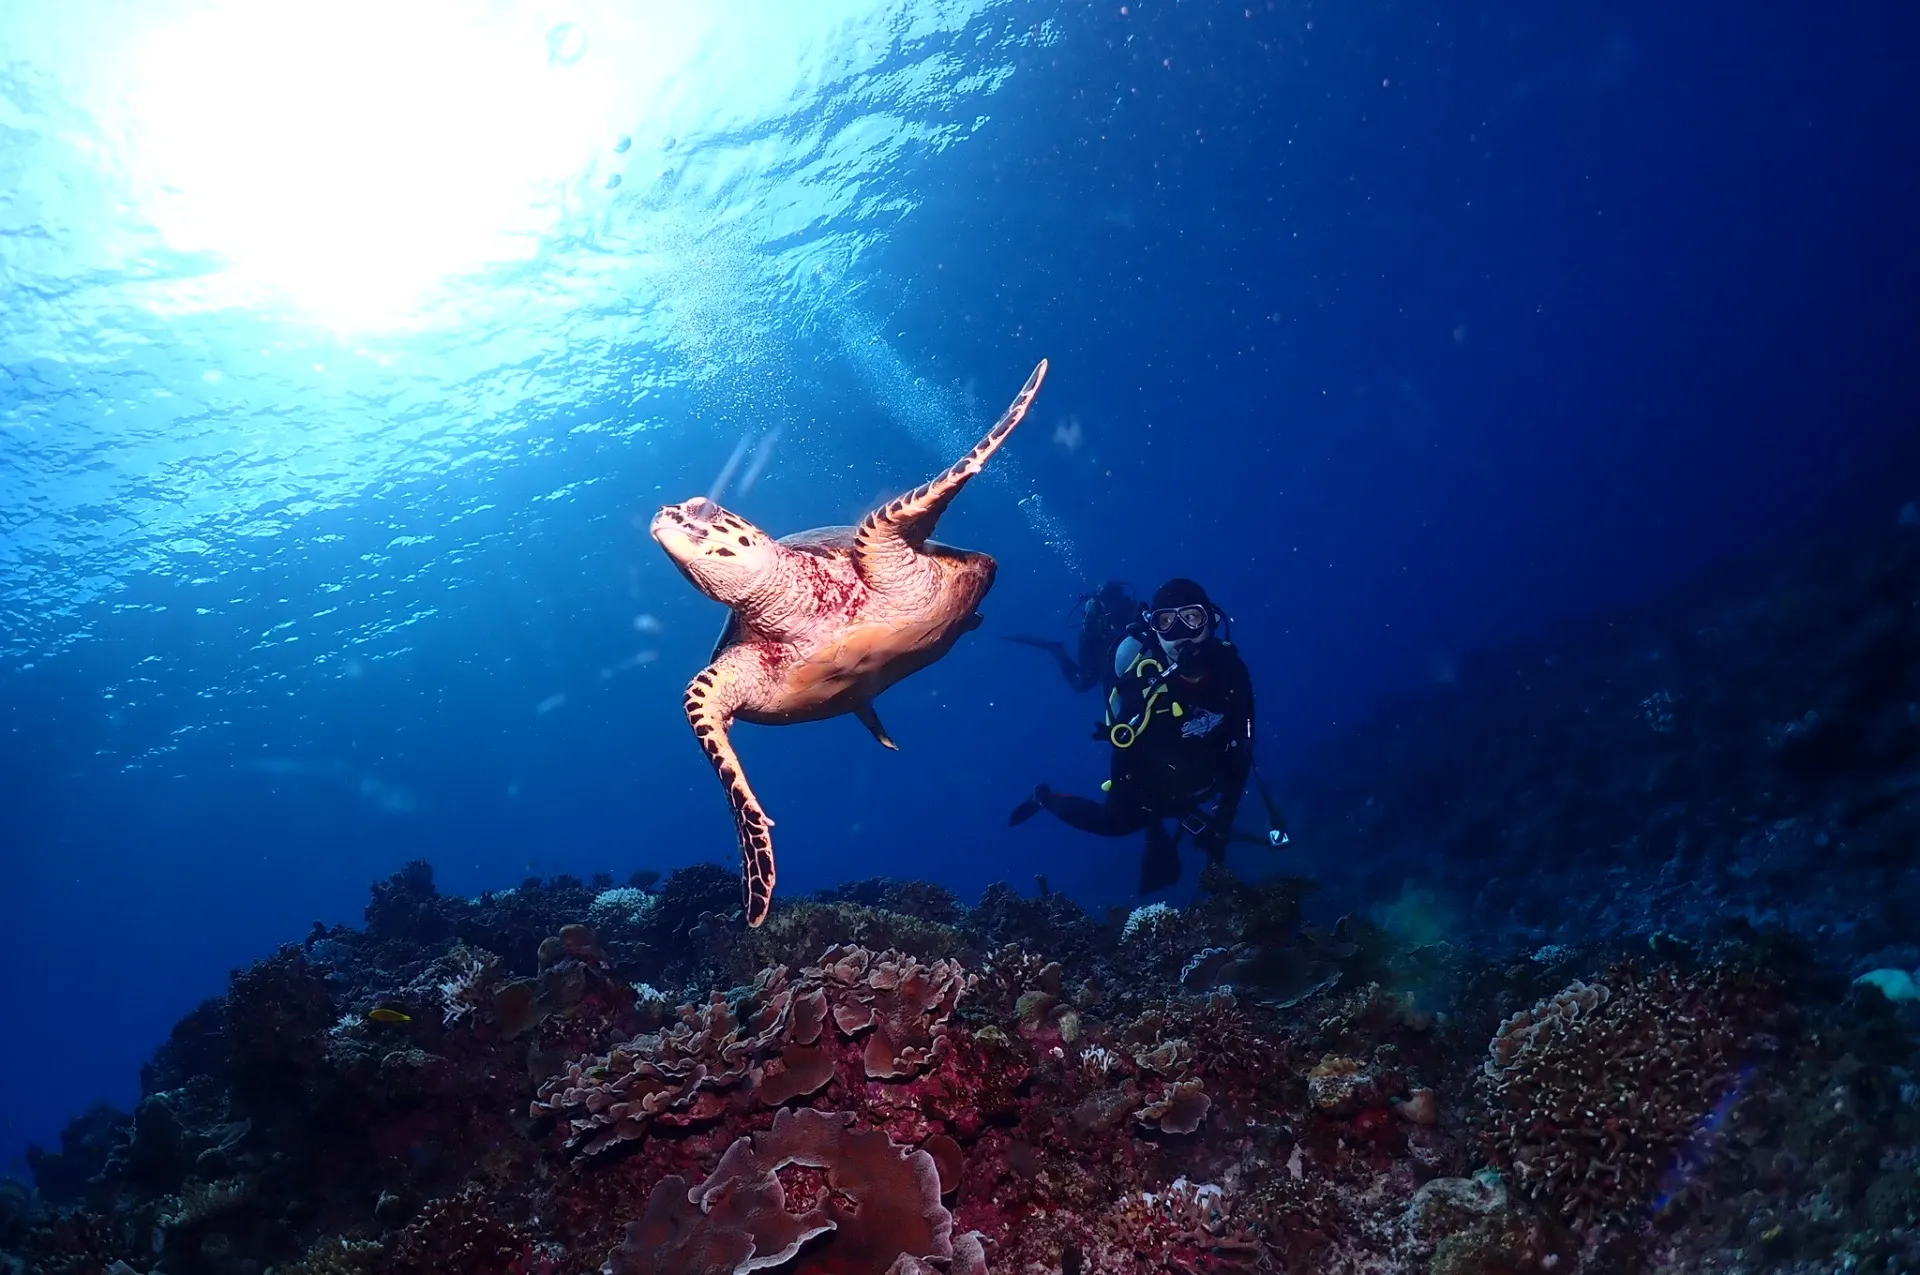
x=1179 y=1109
x=774 y=1044
x=745 y=1225
x=907 y=1005
x=1183 y=1227
x=878 y=1209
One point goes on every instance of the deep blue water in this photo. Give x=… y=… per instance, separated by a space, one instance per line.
x=330 y=436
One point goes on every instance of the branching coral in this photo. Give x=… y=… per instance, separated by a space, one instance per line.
x=1599 y=1089
x=464 y=1233
x=1007 y=974
x=877 y=1207
x=462 y=972
x=334 y=1256
x=1208 y=1036
x=775 y=1042
x=201 y=1201
x=1186 y=1227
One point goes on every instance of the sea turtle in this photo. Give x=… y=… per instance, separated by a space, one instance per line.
x=824 y=620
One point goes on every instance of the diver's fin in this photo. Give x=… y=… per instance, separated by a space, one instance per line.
x=871 y=720
x=1160 y=865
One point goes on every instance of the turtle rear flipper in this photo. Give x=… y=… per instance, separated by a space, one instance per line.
x=713 y=697
x=890 y=538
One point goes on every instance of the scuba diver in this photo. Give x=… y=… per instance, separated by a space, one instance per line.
x=1105 y=616
x=1180 y=722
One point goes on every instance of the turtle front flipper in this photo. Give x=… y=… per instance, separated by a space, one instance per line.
x=713 y=697
x=871 y=720
x=889 y=538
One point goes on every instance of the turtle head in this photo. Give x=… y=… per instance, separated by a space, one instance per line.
x=723 y=554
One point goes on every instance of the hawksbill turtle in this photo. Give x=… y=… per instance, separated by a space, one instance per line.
x=823 y=621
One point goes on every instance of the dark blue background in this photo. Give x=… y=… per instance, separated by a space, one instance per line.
x=1405 y=328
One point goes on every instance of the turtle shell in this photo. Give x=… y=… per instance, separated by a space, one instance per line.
x=857 y=650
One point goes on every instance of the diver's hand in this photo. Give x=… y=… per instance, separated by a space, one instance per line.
x=1210 y=837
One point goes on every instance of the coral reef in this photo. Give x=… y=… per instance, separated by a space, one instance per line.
x=1687 y=1049
x=874 y=1206
x=1603 y=1093
x=405 y=1098
x=1743 y=751
x=400 y=1102
x=776 y=1043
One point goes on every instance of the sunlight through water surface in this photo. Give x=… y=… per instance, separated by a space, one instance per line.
x=282 y=271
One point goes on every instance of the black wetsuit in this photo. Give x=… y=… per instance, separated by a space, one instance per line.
x=1188 y=763
x=1104 y=617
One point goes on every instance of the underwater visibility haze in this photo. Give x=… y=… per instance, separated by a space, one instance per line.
x=1532 y=391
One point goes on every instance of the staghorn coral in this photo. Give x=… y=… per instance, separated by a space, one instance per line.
x=333 y=1256
x=75 y=1242
x=200 y=1202
x=1185 y=1227
x=458 y=979
x=874 y=1208
x=775 y=1042
x=1033 y=993
x=1150 y=1227
x=1598 y=1091
x=1145 y=922
x=621 y=906
x=1209 y=1036
x=463 y=1232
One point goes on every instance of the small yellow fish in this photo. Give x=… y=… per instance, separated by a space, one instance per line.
x=386 y=1014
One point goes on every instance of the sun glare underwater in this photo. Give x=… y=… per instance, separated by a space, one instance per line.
x=631 y=633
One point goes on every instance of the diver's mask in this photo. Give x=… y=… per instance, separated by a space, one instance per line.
x=1176 y=623
x=1181 y=629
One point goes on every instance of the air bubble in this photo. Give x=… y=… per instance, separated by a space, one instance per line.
x=566 y=44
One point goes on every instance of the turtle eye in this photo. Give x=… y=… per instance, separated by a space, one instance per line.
x=702 y=508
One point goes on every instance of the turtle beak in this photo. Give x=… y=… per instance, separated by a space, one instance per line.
x=673 y=531
x=690 y=521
